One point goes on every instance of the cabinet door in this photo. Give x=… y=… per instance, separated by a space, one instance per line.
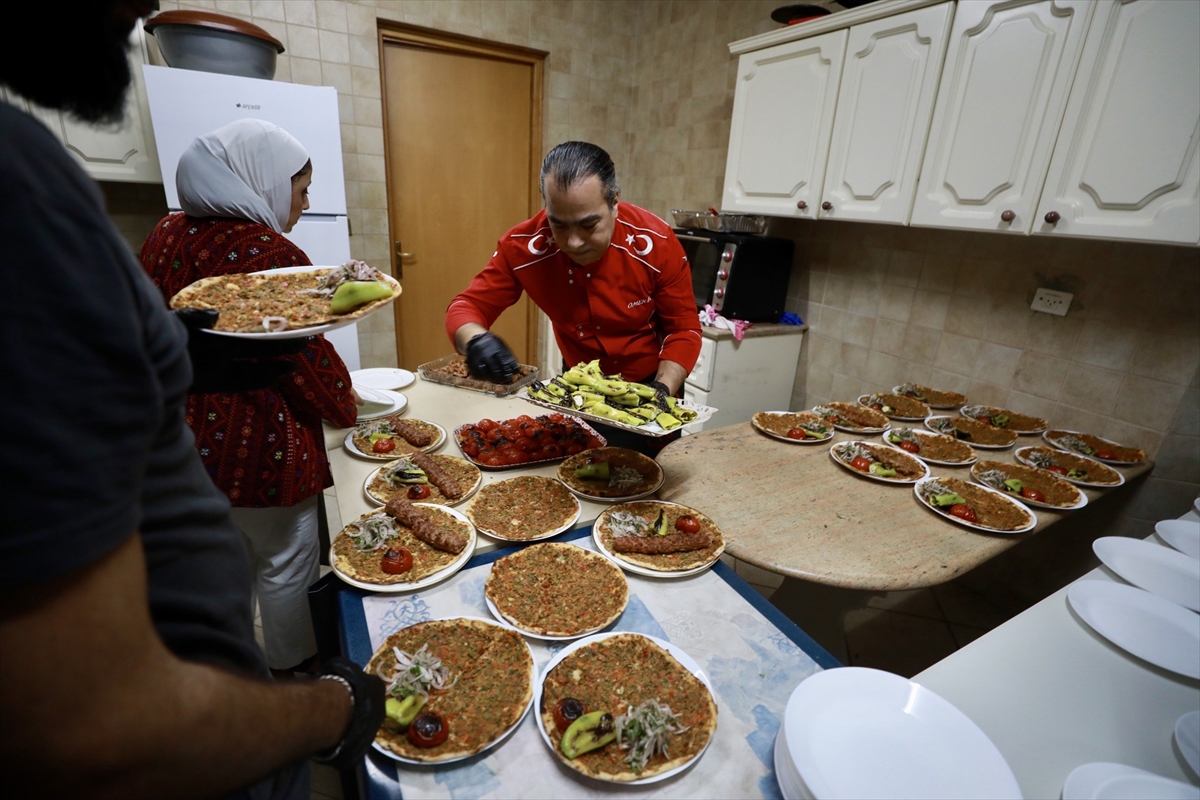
x=1009 y=67
x=782 y=121
x=883 y=110
x=117 y=153
x=1125 y=164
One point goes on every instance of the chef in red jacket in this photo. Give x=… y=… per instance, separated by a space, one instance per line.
x=612 y=278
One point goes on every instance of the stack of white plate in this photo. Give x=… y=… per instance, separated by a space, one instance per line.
x=853 y=733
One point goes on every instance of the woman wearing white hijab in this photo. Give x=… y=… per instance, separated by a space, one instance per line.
x=241 y=187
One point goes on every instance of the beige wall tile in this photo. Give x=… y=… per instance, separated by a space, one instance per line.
x=301 y=12
x=987 y=393
x=889 y=337
x=896 y=302
x=966 y=317
x=1166 y=357
x=1187 y=419
x=945 y=381
x=1008 y=324
x=838 y=291
x=921 y=344
x=1091 y=387
x=303 y=42
x=1077 y=419
x=957 y=354
x=916 y=373
x=331 y=15
x=1103 y=344
x=1135 y=436
x=1040 y=375
x=929 y=309
x=858 y=329
x=938 y=271
x=845 y=388
x=1056 y=336
x=267 y=9
x=996 y=364
x=1148 y=403
x=1029 y=404
x=884 y=370
x=904 y=268
x=853 y=360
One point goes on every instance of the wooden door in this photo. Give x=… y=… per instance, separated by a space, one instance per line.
x=886 y=99
x=1126 y=162
x=782 y=120
x=463 y=144
x=1004 y=87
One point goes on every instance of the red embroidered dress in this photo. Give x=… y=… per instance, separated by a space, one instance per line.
x=264 y=448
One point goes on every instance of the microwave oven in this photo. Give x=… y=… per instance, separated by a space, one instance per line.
x=741 y=276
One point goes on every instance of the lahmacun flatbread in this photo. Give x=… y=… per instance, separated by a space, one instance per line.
x=364 y=564
x=972 y=430
x=896 y=406
x=1080 y=470
x=617 y=674
x=930 y=397
x=629 y=473
x=491 y=674
x=262 y=302
x=993 y=510
x=907 y=469
x=385 y=485
x=638 y=520
x=1095 y=447
x=557 y=589
x=390 y=427
x=1003 y=418
x=1055 y=492
x=852 y=417
x=931 y=447
x=524 y=508
x=799 y=426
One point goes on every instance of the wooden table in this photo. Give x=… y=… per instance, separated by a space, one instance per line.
x=790 y=509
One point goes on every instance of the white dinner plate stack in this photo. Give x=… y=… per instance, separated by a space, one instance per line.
x=854 y=732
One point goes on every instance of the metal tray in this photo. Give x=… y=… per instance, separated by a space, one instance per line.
x=458 y=442
x=651 y=429
x=721 y=222
x=428 y=372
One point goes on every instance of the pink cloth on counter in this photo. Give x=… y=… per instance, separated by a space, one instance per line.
x=712 y=319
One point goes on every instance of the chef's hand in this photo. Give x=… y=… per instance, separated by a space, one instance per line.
x=489 y=357
x=227 y=364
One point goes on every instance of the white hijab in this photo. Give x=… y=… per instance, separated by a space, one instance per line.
x=243 y=170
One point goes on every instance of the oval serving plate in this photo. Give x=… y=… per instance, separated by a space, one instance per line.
x=969 y=411
x=927 y=460
x=948 y=516
x=1142 y=624
x=429 y=580
x=348 y=444
x=677 y=653
x=862 y=401
x=851 y=429
x=1053 y=443
x=1021 y=455
x=373 y=500
x=1079 y=503
x=536 y=684
x=754 y=421
x=894 y=481
x=929 y=424
x=638 y=569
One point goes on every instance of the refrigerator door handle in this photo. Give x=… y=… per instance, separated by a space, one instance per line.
x=400 y=256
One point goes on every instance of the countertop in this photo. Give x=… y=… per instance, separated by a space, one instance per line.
x=1053 y=694
x=754 y=331
x=790 y=509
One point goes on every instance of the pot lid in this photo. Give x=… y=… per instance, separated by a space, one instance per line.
x=207 y=19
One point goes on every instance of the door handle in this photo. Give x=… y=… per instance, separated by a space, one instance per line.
x=400 y=256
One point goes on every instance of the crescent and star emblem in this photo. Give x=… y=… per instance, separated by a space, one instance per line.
x=533 y=248
x=631 y=240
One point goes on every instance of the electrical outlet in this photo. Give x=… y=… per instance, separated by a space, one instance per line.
x=1049 y=301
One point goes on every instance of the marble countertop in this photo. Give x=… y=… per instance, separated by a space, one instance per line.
x=754 y=331
x=790 y=509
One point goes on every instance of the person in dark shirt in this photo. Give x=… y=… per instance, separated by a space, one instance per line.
x=129 y=667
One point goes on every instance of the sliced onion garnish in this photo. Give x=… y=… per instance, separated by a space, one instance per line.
x=274 y=324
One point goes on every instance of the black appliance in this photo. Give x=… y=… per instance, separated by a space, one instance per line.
x=741 y=275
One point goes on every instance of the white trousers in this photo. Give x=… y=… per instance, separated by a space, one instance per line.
x=285 y=561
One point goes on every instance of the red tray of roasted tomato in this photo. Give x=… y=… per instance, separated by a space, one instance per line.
x=525 y=440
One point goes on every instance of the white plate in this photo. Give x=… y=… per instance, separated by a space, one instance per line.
x=860 y=733
x=862 y=401
x=861 y=474
x=848 y=429
x=966 y=463
x=1149 y=627
x=1107 y=781
x=1080 y=503
x=941 y=407
x=1056 y=445
x=1187 y=736
x=929 y=424
x=1021 y=454
x=651 y=429
x=790 y=783
x=963 y=413
x=428 y=580
x=1159 y=570
x=393 y=403
x=564 y=527
x=679 y=655
x=946 y=514
x=375 y=502
x=500 y=738
x=383 y=378
x=348 y=443
x=499 y=618
x=638 y=569
x=1182 y=534
x=312 y=330
x=783 y=438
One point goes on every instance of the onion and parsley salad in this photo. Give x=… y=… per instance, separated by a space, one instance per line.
x=643 y=732
x=374 y=532
x=408 y=687
x=1043 y=460
x=862 y=459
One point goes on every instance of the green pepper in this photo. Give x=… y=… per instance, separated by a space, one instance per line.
x=879 y=469
x=593 y=472
x=947 y=499
x=1013 y=485
x=402 y=712
x=589 y=732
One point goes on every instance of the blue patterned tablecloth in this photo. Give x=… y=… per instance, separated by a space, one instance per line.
x=753 y=655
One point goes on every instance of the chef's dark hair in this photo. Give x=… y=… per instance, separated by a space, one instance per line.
x=572 y=162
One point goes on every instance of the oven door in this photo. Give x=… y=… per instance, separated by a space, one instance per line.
x=706 y=255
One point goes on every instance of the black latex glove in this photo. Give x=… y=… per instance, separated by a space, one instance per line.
x=228 y=364
x=488 y=357
x=660 y=386
x=369 y=710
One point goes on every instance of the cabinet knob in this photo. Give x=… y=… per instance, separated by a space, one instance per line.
x=828 y=206
x=803 y=204
x=1052 y=217
x=1008 y=215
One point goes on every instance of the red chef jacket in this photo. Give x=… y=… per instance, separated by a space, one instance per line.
x=630 y=309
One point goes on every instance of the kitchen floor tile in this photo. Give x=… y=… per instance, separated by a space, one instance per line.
x=963 y=606
x=915 y=602
x=898 y=643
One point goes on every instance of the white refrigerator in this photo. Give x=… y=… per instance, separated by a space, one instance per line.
x=185 y=104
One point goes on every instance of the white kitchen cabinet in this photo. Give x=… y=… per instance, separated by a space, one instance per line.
x=782 y=122
x=110 y=153
x=889 y=82
x=1004 y=87
x=742 y=378
x=1126 y=162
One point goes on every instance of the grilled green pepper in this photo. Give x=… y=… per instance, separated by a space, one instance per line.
x=589 y=732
